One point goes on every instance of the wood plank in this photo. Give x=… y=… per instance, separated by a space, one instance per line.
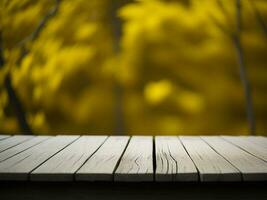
x=211 y=165
x=2 y=137
x=252 y=168
x=258 y=140
x=13 y=141
x=22 y=147
x=101 y=166
x=172 y=161
x=19 y=166
x=243 y=142
x=63 y=165
x=136 y=164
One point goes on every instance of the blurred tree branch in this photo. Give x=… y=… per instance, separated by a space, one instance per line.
x=259 y=17
x=12 y=95
x=118 y=91
x=34 y=35
x=242 y=68
x=236 y=38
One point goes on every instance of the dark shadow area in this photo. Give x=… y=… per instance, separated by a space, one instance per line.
x=127 y=191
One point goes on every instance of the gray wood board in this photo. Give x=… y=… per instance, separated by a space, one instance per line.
x=19 y=166
x=252 y=168
x=211 y=165
x=22 y=147
x=244 y=143
x=258 y=140
x=101 y=166
x=63 y=165
x=13 y=141
x=172 y=161
x=136 y=163
x=2 y=137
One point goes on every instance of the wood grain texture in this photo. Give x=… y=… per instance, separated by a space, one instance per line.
x=13 y=141
x=22 y=147
x=19 y=166
x=136 y=163
x=103 y=158
x=252 y=168
x=258 y=140
x=2 y=137
x=63 y=165
x=172 y=161
x=101 y=166
x=244 y=143
x=211 y=165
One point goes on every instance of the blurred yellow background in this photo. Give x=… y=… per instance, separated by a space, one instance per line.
x=130 y=67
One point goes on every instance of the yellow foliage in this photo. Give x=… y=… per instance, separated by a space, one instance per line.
x=86 y=31
x=156 y=92
x=172 y=70
x=190 y=102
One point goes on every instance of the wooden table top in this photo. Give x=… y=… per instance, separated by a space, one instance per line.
x=133 y=159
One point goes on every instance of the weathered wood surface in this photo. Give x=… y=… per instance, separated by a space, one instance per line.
x=172 y=161
x=13 y=141
x=246 y=144
x=211 y=166
x=258 y=140
x=22 y=147
x=137 y=161
x=252 y=168
x=101 y=166
x=134 y=159
x=63 y=165
x=2 y=137
x=19 y=166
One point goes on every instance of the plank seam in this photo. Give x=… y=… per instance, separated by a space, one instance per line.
x=25 y=149
x=119 y=160
x=198 y=173
x=16 y=144
x=154 y=158
x=241 y=148
x=242 y=178
x=28 y=175
x=74 y=174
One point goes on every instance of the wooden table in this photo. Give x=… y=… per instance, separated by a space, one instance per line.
x=192 y=167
